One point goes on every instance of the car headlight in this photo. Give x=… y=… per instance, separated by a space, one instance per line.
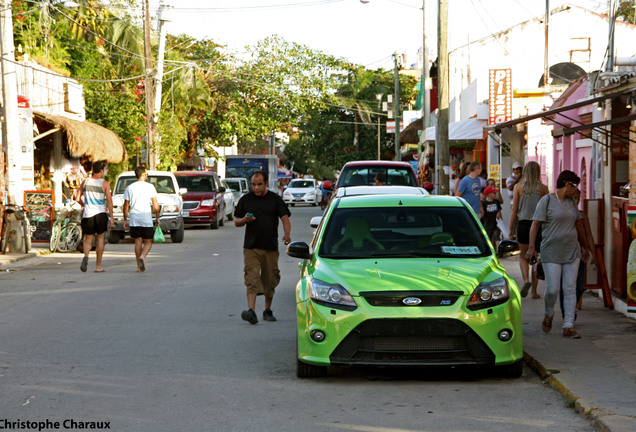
x=170 y=208
x=117 y=209
x=311 y=194
x=208 y=203
x=331 y=295
x=287 y=194
x=488 y=294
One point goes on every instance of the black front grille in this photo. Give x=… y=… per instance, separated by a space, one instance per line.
x=412 y=342
x=190 y=205
x=396 y=298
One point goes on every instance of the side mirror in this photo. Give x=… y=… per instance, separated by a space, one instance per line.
x=222 y=189
x=183 y=191
x=315 y=221
x=507 y=248
x=299 y=250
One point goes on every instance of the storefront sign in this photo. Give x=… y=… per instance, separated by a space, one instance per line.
x=500 y=95
x=631 y=261
x=390 y=126
x=41 y=205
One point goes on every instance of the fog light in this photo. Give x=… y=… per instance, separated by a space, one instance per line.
x=505 y=335
x=317 y=335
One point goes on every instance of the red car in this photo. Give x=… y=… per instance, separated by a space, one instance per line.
x=361 y=173
x=203 y=204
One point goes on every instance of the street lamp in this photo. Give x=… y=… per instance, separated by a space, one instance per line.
x=378 y=96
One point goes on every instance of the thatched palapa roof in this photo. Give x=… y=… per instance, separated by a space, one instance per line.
x=410 y=133
x=88 y=139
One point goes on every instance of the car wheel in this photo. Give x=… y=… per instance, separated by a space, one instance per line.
x=230 y=215
x=177 y=235
x=215 y=224
x=115 y=236
x=292 y=204
x=306 y=370
x=222 y=221
x=513 y=370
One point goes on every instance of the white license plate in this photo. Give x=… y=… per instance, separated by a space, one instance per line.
x=186 y=213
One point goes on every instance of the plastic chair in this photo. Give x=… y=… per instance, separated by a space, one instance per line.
x=357 y=236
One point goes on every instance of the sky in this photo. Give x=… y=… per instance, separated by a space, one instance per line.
x=365 y=33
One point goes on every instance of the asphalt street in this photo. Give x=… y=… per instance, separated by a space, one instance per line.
x=166 y=350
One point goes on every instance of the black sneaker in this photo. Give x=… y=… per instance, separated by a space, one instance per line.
x=268 y=315
x=249 y=316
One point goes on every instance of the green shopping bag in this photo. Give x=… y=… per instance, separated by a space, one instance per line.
x=158 y=238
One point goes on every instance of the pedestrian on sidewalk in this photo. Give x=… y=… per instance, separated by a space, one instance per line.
x=469 y=187
x=491 y=211
x=140 y=200
x=97 y=217
x=580 y=276
x=526 y=195
x=259 y=212
x=557 y=216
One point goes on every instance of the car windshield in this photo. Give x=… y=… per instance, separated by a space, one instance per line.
x=360 y=176
x=402 y=232
x=163 y=184
x=301 y=184
x=195 y=183
x=233 y=185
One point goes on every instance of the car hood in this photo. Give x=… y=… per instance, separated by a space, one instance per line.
x=391 y=274
x=300 y=190
x=162 y=199
x=199 y=196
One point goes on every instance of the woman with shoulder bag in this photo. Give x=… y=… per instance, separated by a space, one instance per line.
x=525 y=198
x=557 y=216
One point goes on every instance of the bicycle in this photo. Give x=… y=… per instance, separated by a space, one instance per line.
x=66 y=233
x=10 y=236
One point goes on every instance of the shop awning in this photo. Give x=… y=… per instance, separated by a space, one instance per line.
x=468 y=130
x=86 y=139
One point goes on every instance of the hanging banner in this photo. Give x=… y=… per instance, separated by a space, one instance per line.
x=500 y=95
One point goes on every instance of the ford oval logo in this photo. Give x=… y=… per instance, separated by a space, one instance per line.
x=412 y=301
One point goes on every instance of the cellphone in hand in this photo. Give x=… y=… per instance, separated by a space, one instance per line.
x=533 y=260
x=250 y=215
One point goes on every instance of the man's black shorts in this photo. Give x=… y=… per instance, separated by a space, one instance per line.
x=145 y=233
x=523 y=234
x=97 y=224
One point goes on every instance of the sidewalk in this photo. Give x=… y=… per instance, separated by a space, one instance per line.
x=596 y=373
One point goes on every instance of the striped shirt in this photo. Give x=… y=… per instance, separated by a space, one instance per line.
x=94 y=197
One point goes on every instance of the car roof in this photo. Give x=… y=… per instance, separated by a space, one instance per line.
x=377 y=163
x=150 y=172
x=395 y=200
x=380 y=190
x=194 y=173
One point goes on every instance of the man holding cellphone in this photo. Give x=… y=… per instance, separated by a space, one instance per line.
x=259 y=212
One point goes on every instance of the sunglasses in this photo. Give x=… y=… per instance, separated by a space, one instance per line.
x=574 y=185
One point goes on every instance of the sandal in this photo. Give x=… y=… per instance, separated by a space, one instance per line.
x=546 y=325
x=525 y=288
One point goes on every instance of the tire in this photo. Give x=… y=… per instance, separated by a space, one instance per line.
x=292 y=204
x=70 y=237
x=215 y=224
x=177 y=235
x=306 y=370
x=115 y=236
x=230 y=216
x=222 y=221
x=513 y=370
x=55 y=237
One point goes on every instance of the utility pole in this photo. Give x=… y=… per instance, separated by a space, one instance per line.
x=10 y=133
x=149 y=86
x=546 y=62
x=161 y=19
x=396 y=107
x=442 y=153
x=426 y=94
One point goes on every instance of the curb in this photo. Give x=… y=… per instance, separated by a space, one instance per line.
x=598 y=417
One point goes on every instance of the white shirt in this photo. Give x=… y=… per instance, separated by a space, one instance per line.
x=139 y=196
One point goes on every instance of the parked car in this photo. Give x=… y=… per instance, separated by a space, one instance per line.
x=404 y=280
x=228 y=197
x=203 y=203
x=168 y=197
x=239 y=186
x=302 y=191
x=359 y=173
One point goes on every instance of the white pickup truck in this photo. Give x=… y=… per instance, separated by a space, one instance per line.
x=168 y=197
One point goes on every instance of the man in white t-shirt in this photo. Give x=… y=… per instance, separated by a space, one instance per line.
x=140 y=199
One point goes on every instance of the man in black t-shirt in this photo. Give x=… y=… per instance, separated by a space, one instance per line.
x=259 y=212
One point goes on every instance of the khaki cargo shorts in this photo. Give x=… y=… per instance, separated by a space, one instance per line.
x=261 y=273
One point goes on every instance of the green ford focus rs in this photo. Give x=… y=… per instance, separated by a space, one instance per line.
x=404 y=280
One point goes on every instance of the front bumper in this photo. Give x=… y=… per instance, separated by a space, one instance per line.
x=167 y=223
x=301 y=200
x=409 y=336
x=200 y=216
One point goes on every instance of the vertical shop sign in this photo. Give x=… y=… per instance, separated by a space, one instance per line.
x=500 y=95
x=41 y=204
